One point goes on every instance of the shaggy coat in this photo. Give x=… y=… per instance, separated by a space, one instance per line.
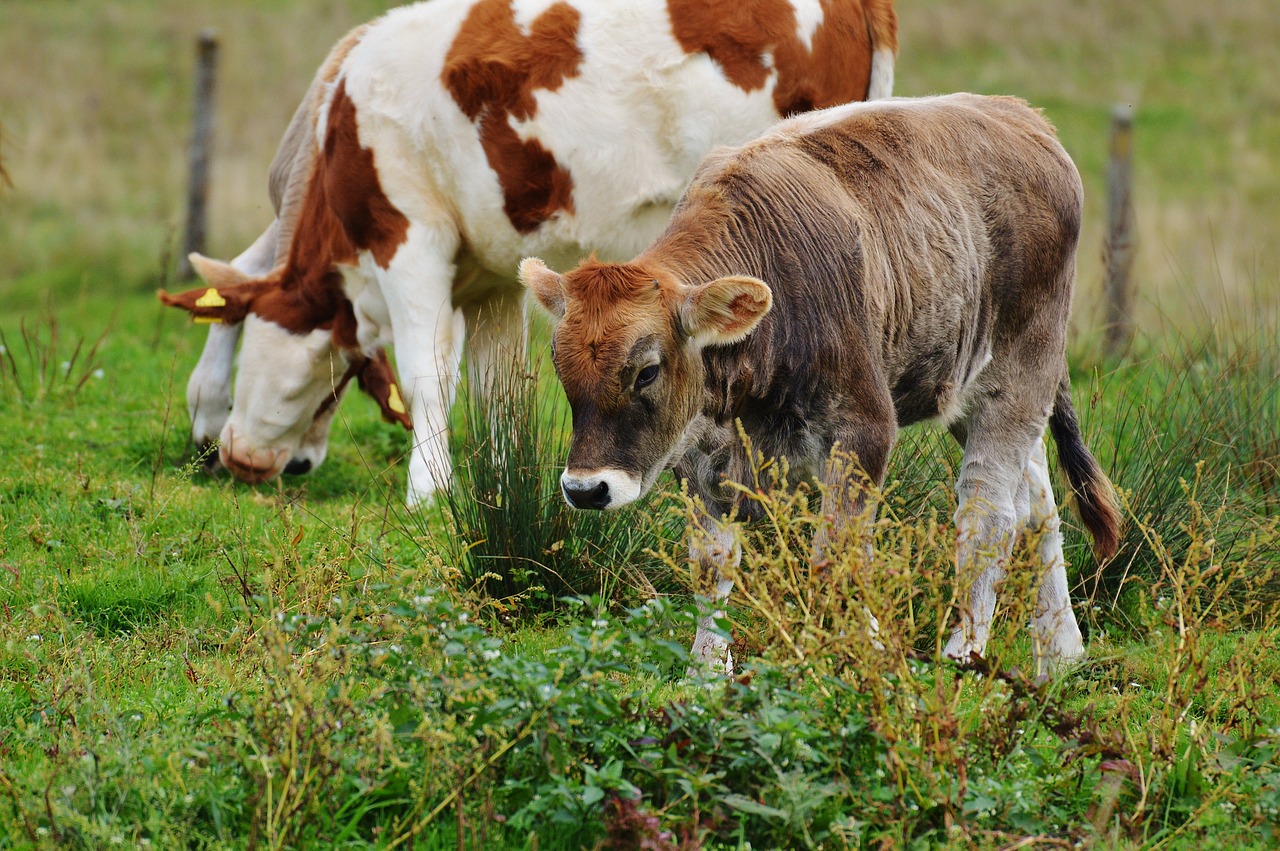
x=853 y=271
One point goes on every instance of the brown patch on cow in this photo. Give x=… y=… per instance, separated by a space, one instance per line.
x=344 y=210
x=355 y=195
x=740 y=35
x=492 y=70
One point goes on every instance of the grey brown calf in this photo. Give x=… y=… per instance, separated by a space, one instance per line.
x=852 y=271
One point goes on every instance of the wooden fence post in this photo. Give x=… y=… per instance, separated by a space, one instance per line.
x=201 y=150
x=1119 y=249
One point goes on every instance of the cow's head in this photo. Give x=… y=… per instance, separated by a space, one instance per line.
x=627 y=346
x=296 y=359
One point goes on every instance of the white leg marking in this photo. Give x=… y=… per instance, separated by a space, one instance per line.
x=1055 y=632
x=209 y=388
x=428 y=333
x=986 y=521
x=713 y=545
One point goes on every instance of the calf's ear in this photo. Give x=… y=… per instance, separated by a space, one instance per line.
x=546 y=285
x=725 y=310
x=227 y=297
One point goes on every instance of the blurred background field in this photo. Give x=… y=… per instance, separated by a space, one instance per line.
x=95 y=100
x=174 y=646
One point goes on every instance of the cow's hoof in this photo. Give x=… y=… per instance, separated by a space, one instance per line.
x=711 y=656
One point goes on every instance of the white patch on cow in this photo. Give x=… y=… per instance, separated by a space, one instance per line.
x=881 y=85
x=655 y=112
x=373 y=321
x=209 y=388
x=283 y=381
x=808 y=19
x=623 y=488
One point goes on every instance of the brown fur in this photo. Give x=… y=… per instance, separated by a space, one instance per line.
x=739 y=36
x=343 y=210
x=492 y=70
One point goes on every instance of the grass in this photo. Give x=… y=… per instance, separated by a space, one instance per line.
x=190 y=662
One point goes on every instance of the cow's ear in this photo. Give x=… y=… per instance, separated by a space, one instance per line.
x=378 y=379
x=546 y=285
x=725 y=310
x=227 y=296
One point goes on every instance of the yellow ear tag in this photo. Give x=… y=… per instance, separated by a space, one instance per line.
x=394 y=402
x=211 y=298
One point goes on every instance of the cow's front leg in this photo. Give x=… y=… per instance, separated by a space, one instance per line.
x=209 y=389
x=859 y=459
x=417 y=288
x=713 y=546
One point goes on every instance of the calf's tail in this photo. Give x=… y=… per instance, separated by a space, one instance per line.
x=1095 y=498
x=882 y=24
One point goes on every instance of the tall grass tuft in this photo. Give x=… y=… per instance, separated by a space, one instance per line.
x=1204 y=412
x=36 y=365
x=511 y=533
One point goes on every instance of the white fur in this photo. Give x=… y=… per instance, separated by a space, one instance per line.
x=624 y=488
x=209 y=388
x=881 y=85
x=990 y=515
x=283 y=381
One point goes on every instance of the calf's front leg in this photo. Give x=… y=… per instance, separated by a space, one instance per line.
x=713 y=547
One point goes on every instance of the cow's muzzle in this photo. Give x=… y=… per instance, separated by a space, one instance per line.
x=599 y=489
x=588 y=497
x=250 y=464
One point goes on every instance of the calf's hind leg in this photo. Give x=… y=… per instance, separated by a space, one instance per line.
x=1054 y=629
x=991 y=490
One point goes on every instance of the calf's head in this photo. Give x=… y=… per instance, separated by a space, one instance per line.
x=296 y=358
x=627 y=345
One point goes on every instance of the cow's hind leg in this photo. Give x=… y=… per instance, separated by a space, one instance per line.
x=1054 y=629
x=417 y=287
x=993 y=502
x=495 y=337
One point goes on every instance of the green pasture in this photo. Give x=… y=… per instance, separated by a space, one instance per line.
x=186 y=661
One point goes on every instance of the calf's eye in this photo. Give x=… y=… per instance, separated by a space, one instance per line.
x=647 y=376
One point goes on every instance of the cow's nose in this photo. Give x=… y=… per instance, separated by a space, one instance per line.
x=208 y=455
x=586 y=497
x=297 y=467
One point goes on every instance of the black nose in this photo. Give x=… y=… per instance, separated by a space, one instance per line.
x=208 y=455
x=596 y=497
x=297 y=467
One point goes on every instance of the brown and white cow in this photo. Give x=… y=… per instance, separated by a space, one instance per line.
x=209 y=387
x=456 y=137
x=851 y=272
